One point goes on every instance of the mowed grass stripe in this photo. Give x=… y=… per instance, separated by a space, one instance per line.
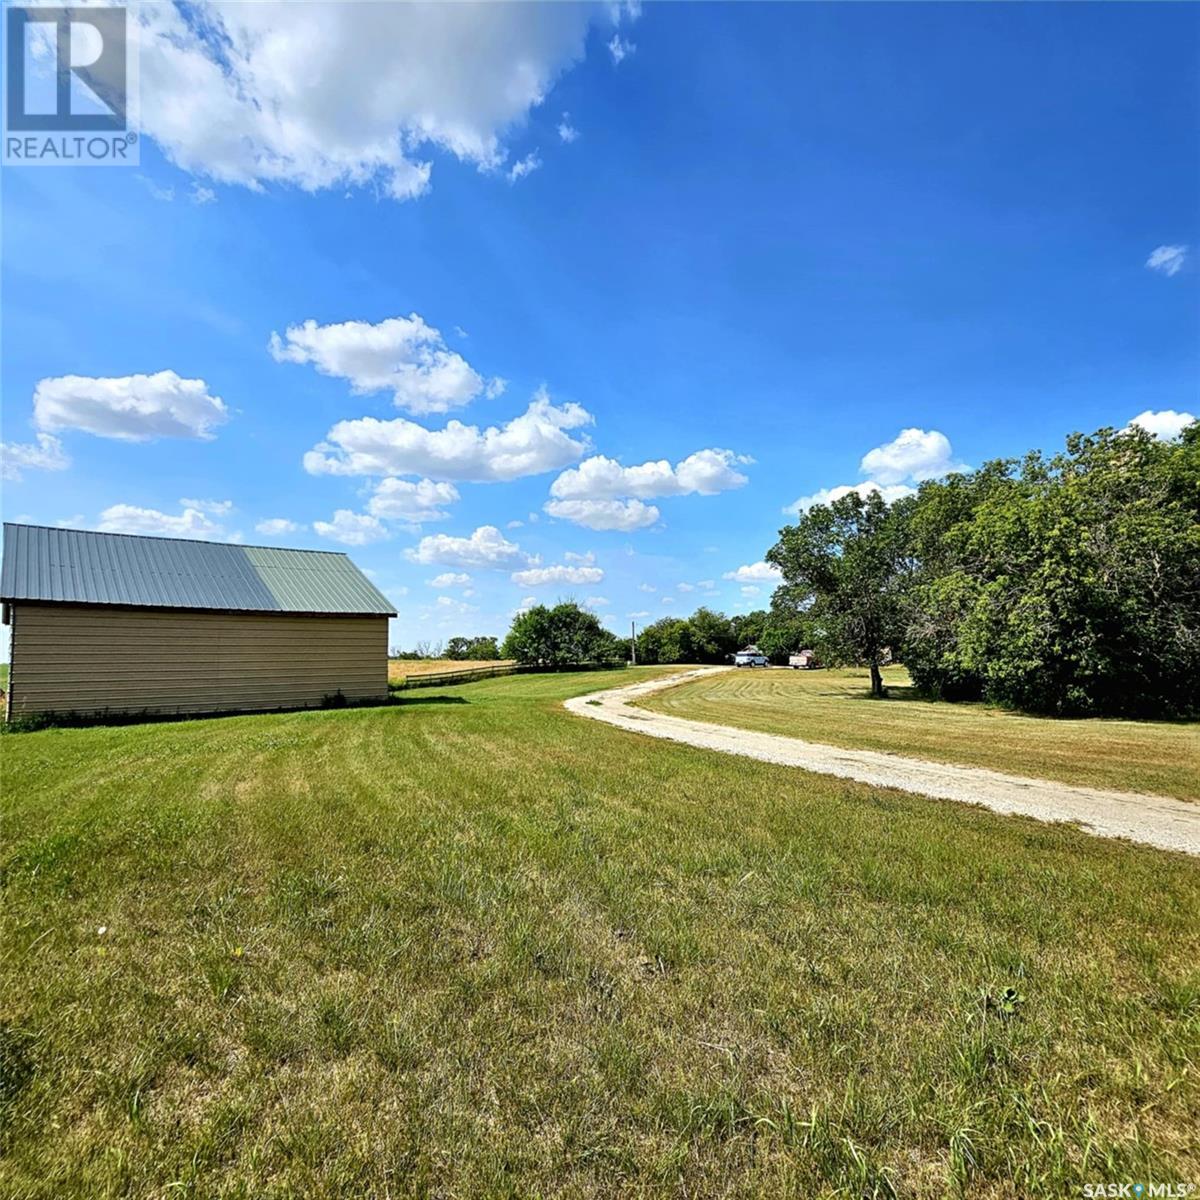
x=471 y=945
x=834 y=707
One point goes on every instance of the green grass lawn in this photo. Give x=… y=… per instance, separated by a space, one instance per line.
x=469 y=945
x=835 y=707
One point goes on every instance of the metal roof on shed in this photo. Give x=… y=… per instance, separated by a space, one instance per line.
x=74 y=566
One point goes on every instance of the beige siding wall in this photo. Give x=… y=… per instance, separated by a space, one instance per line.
x=95 y=660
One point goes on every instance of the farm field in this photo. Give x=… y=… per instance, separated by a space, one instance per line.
x=833 y=706
x=398 y=668
x=468 y=944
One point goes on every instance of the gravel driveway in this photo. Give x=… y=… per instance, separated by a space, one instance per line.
x=1154 y=820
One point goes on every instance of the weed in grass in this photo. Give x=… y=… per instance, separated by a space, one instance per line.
x=16 y=1064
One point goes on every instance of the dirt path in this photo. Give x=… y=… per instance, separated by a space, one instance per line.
x=1154 y=820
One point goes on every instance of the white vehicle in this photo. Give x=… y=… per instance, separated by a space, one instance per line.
x=750 y=658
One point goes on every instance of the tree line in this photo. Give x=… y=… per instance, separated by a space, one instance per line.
x=1065 y=585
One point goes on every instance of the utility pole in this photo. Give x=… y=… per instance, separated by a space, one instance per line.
x=633 y=643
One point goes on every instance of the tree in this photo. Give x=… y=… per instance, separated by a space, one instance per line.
x=483 y=649
x=847 y=562
x=1068 y=585
x=473 y=648
x=786 y=633
x=565 y=635
x=457 y=648
x=667 y=640
x=748 y=628
x=710 y=635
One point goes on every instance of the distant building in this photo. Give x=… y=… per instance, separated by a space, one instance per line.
x=110 y=623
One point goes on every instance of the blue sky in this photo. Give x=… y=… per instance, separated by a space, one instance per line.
x=752 y=244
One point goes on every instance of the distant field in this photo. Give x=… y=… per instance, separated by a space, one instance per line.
x=398 y=668
x=470 y=945
x=833 y=706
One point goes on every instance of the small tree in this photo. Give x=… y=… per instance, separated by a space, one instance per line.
x=850 y=558
x=483 y=649
x=473 y=648
x=565 y=635
x=457 y=648
x=711 y=636
x=667 y=640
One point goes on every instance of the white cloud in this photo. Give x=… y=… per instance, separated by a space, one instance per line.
x=759 y=572
x=450 y=579
x=275 y=526
x=214 y=508
x=620 y=49
x=1166 y=424
x=909 y=458
x=750 y=589
x=602 y=494
x=668 y=600
x=566 y=131
x=131 y=408
x=624 y=515
x=327 y=95
x=637 y=616
x=526 y=604
x=539 y=576
x=530 y=444
x=706 y=472
x=1167 y=259
x=192 y=522
x=46 y=455
x=914 y=454
x=597 y=602
x=402 y=500
x=486 y=547
x=351 y=528
x=164 y=195
x=586 y=559
x=202 y=195
x=456 y=607
x=891 y=493
x=647 y=587
x=515 y=525
x=685 y=587
x=402 y=355
x=524 y=166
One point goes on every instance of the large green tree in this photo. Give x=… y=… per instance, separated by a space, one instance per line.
x=846 y=564
x=667 y=640
x=565 y=635
x=1067 y=585
x=711 y=636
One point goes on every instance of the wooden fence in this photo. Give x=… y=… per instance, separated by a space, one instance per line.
x=460 y=675
x=470 y=674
